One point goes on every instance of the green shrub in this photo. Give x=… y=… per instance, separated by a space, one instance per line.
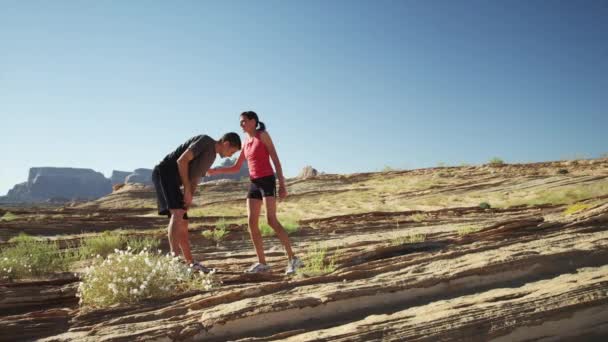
x=139 y=244
x=317 y=262
x=218 y=234
x=101 y=245
x=496 y=161
x=22 y=237
x=575 y=208
x=32 y=258
x=408 y=239
x=8 y=216
x=485 y=205
x=126 y=278
x=290 y=224
x=468 y=230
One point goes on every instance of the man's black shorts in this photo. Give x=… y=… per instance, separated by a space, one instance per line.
x=262 y=187
x=168 y=193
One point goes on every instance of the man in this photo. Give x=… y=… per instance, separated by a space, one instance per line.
x=185 y=167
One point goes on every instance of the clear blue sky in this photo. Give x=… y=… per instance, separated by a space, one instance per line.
x=344 y=86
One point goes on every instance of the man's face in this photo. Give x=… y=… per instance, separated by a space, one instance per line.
x=228 y=150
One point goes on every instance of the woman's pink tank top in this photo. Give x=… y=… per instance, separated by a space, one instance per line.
x=258 y=158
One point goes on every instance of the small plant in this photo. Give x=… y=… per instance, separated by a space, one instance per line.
x=575 y=208
x=31 y=258
x=8 y=216
x=102 y=244
x=291 y=226
x=485 y=205
x=496 y=162
x=419 y=217
x=22 y=237
x=408 y=239
x=317 y=262
x=217 y=234
x=139 y=244
x=462 y=231
x=562 y=172
x=126 y=278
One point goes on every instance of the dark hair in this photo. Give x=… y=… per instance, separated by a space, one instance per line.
x=233 y=139
x=252 y=115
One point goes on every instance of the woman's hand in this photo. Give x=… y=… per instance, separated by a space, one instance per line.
x=282 y=190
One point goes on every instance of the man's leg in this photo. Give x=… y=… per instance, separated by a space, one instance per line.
x=185 y=240
x=178 y=233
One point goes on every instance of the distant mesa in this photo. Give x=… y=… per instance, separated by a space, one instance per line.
x=141 y=176
x=61 y=185
x=54 y=184
x=118 y=177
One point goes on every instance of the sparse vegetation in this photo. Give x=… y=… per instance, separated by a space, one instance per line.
x=218 y=233
x=562 y=172
x=22 y=237
x=408 y=239
x=496 y=162
x=8 y=216
x=102 y=244
x=419 y=217
x=575 y=208
x=127 y=277
x=33 y=258
x=466 y=230
x=290 y=224
x=485 y=205
x=139 y=244
x=317 y=262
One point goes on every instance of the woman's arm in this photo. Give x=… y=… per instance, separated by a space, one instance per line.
x=231 y=169
x=265 y=137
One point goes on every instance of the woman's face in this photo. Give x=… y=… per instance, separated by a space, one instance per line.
x=248 y=125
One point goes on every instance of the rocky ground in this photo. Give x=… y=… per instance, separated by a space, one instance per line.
x=415 y=256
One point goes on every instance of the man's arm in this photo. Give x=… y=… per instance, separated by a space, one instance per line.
x=182 y=165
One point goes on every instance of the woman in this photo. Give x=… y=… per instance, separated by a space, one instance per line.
x=259 y=149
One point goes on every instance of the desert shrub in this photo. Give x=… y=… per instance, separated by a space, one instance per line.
x=317 y=262
x=462 y=231
x=496 y=161
x=290 y=224
x=31 y=258
x=410 y=238
x=22 y=237
x=102 y=244
x=419 y=217
x=575 y=208
x=139 y=244
x=218 y=234
x=125 y=277
x=562 y=171
x=485 y=205
x=8 y=216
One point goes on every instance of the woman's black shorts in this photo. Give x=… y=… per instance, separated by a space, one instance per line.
x=262 y=187
x=168 y=193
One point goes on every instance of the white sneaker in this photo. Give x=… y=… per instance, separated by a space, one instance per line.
x=293 y=265
x=258 y=268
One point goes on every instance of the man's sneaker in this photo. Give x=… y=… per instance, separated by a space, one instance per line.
x=197 y=266
x=258 y=268
x=293 y=265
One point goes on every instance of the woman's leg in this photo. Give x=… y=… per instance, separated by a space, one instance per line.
x=253 y=214
x=273 y=222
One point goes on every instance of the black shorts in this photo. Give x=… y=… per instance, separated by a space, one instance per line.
x=262 y=187
x=168 y=193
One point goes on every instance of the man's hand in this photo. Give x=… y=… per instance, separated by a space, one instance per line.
x=187 y=198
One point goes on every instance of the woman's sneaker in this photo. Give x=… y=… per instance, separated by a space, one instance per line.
x=197 y=266
x=258 y=268
x=293 y=265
